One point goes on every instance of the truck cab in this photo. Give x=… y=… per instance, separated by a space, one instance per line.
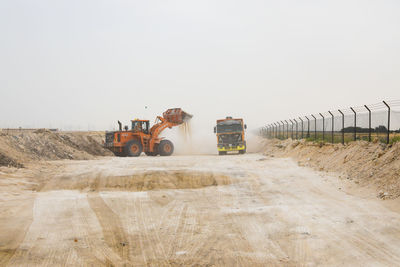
x=230 y=135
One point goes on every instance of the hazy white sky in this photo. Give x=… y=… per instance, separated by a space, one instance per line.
x=80 y=64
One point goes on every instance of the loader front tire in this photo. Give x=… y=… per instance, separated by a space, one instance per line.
x=133 y=148
x=165 y=148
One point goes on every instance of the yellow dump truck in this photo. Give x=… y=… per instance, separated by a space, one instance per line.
x=230 y=135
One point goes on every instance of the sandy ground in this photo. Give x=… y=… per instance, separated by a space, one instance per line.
x=374 y=165
x=239 y=210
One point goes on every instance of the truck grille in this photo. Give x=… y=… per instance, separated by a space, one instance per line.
x=230 y=138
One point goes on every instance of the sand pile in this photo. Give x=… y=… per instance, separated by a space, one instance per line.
x=366 y=163
x=139 y=182
x=19 y=147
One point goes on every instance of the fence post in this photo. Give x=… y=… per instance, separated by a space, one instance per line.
x=308 y=127
x=296 y=129
x=292 y=128
x=315 y=127
x=273 y=130
x=302 y=127
x=287 y=129
x=369 y=123
x=388 y=128
x=283 y=130
x=277 y=130
x=269 y=131
x=342 y=125
x=278 y=127
x=323 y=127
x=280 y=131
x=333 y=126
x=355 y=124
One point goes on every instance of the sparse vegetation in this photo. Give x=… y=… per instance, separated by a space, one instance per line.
x=395 y=139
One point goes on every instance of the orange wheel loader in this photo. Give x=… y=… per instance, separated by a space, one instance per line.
x=142 y=138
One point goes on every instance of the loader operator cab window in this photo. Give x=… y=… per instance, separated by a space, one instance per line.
x=140 y=126
x=145 y=127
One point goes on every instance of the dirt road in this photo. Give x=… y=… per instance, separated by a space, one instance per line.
x=247 y=210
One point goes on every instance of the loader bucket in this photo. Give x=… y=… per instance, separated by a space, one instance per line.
x=176 y=115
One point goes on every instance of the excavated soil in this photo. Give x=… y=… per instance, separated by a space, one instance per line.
x=9 y=162
x=20 y=147
x=366 y=164
x=152 y=180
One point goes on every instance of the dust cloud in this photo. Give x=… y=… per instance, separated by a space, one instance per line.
x=192 y=138
x=185 y=133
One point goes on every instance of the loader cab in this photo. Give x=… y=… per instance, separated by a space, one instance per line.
x=141 y=126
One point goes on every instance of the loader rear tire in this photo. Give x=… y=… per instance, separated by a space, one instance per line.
x=133 y=148
x=165 y=148
x=221 y=153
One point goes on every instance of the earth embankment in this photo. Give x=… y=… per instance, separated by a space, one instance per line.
x=19 y=147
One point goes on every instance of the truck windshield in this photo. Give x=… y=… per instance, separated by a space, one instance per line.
x=225 y=127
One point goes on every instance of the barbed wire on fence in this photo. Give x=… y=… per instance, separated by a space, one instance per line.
x=373 y=122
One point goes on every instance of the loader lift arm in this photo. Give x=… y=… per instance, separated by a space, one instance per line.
x=157 y=129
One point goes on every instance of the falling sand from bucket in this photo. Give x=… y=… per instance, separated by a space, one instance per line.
x=185 y=133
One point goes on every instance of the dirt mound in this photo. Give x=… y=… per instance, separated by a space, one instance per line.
x=9 y=162
x=365 y=163
x=25 y=146
x=139 y=182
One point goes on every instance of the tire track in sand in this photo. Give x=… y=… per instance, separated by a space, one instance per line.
x=113 y=232
x=14 y=229
x=93 y=253
x=151 y=236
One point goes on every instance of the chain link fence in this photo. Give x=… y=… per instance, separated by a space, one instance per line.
x=378 y=122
